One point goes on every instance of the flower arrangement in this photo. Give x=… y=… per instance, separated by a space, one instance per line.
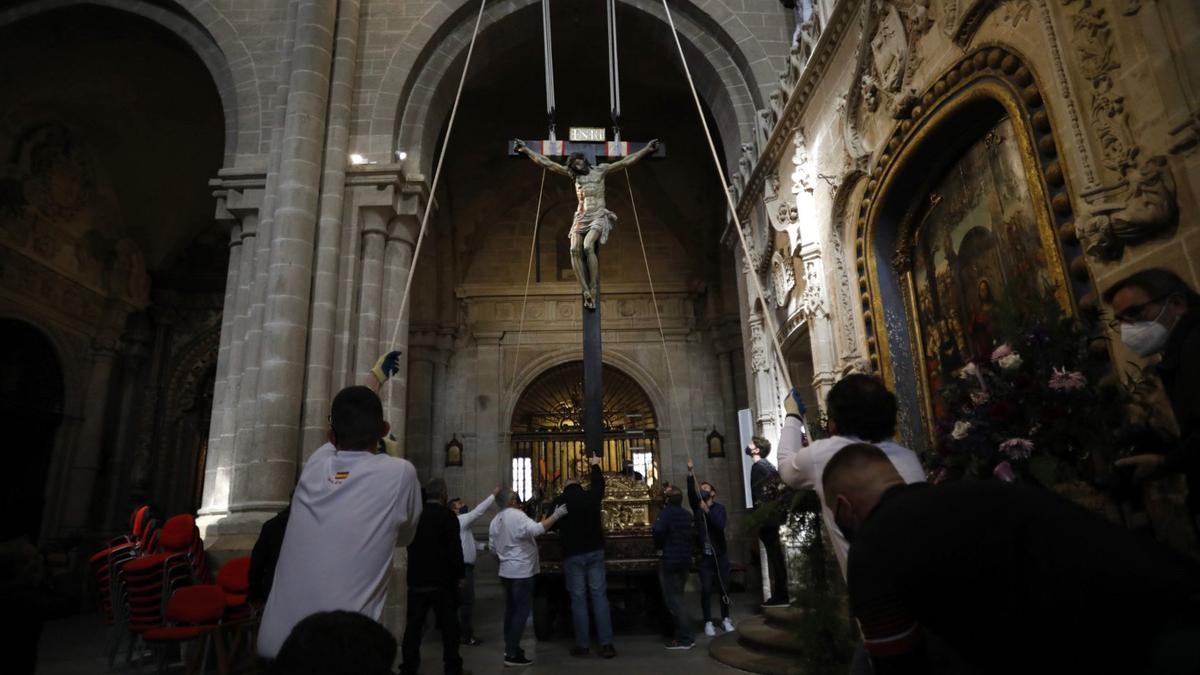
x=1033 y=408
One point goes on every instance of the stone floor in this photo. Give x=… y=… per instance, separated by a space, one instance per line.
x=74 y=646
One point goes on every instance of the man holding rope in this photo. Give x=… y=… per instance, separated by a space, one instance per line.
x=714 y=563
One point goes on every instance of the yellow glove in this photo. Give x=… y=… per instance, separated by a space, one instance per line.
x=389 y=445
x=793 y=405
x=387 y=366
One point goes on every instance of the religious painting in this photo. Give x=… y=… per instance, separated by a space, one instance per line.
x=976 y=246
x=454 y=452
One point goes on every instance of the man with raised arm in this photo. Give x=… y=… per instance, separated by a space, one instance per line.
x=592 y=219
x=466 y=595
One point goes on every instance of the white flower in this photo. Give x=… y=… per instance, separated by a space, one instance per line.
x=961 y=429
x=969 y=370
x=1010 y=362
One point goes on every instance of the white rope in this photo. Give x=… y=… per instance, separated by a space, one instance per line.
x=548 y=51
x=658 y=317
x=537 y=219
x=614 y=75
x=737 y=225
x=437 y=174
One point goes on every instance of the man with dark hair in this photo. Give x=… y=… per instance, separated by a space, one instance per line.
x=860 y=408
x=709 y=515
x=673 y=534
x=1156 y=312
x=336 y=643
x=466 y=590
x=764 y=487
x=1006 y=577
x=435 y=570
x=582 y=536
x=512 y=536
x=353 y=505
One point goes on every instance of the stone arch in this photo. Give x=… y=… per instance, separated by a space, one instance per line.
x=418 y=86
x=627 y=365
x=214 y=41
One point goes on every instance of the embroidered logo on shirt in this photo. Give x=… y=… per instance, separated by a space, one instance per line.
x=339 y=477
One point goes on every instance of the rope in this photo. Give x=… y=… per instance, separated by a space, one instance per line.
x=537 y=218
x=614 y=74
x=637 y=221
x=437 y=174
x=548 y=50
x=737 y=225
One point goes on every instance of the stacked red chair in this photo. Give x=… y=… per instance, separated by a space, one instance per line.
x=234 y=580
x=149 y=580
x=192 y=613
x=106 y=567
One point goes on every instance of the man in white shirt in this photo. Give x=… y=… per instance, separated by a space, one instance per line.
x=512 y=536
x=861 y=410
x=466 y=594
x=352 y=507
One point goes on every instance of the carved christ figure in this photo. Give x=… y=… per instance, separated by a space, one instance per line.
x=592 y=220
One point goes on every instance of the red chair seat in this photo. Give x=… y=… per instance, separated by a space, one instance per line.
x=173 y=633
x=234 y=600
x=144 y=564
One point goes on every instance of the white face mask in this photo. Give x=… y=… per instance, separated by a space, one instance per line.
x=1146 y=337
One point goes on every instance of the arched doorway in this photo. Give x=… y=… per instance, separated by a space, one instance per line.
x=31 y=409
x=547 y=429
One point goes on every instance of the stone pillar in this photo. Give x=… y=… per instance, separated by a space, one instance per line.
x=318 y=387
x=370 y=300
x=419 y=434
x=85 y=462
x=815 y=304
x=132 y=365
x=766 y=395
x=239 y=198
x=393 y=333
x=490 y=459
x=264 y=482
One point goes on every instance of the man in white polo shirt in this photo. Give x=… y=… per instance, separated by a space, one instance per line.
x=861 y=410
x=352 y=507
x=466 y=592
x=512 y=536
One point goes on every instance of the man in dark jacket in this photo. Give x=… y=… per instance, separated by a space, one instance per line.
x=710 y=518
x=1156 y=312
x=264 y=556
x=435 y=568
x=582 y=535
x=673 y=534
x=764 y=485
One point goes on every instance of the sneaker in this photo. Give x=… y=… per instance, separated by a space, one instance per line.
x=679 y=644
x=608 y=651
x=776 y=602
x=580 y=651
x=727 y=624
x=709 y=630
x=472 y=641
x=518 y=660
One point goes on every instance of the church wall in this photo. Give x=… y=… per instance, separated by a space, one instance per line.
x=1137 y=165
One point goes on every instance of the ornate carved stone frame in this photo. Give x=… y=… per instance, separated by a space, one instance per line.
x=989 y=77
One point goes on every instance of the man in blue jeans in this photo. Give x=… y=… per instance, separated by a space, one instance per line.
x=673 y=533
x=582 y=536
x=513 y=537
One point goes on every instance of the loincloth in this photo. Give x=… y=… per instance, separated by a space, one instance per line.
x=585 y=223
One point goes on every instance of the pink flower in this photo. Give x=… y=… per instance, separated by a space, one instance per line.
x=1017 y=448
x=1004 y=472
x=1001 y=352
x=1061 y=380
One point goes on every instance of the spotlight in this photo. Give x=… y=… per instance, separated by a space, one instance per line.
x=357 y=159
x=401 y=155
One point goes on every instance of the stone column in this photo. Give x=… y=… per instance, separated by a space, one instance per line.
x=393 y=333
x=77 y=514
x=370 y=288
x=132 y=365
x=419 y=392
x=491 y=461
x=318 y=388
x=815 y=305
x=264 y=480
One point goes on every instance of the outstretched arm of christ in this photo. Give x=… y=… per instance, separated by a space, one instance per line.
x=630 y=160
x=540 y=159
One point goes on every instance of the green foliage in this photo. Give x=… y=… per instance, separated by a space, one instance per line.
x=823 y=629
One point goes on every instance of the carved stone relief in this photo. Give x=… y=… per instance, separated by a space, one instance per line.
x=783 y=278
x=758 y=346
x=812 y=300
x=802 y=174
x=1141 y=203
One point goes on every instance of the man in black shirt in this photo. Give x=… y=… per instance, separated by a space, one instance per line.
x=435 y=568
x=264 y=556
x=764 y=486
x=582 y=535
x=709 y=516
x=1010 y=578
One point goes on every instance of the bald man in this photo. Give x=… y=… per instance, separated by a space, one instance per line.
x=1009 y=578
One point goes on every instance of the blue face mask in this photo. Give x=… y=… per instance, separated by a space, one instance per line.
x=705 y=495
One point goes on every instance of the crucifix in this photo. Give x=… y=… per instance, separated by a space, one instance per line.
x=589 y=230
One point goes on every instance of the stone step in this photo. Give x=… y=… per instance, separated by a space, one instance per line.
x=728 y=650
x=756 y=632
x=783 y=616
